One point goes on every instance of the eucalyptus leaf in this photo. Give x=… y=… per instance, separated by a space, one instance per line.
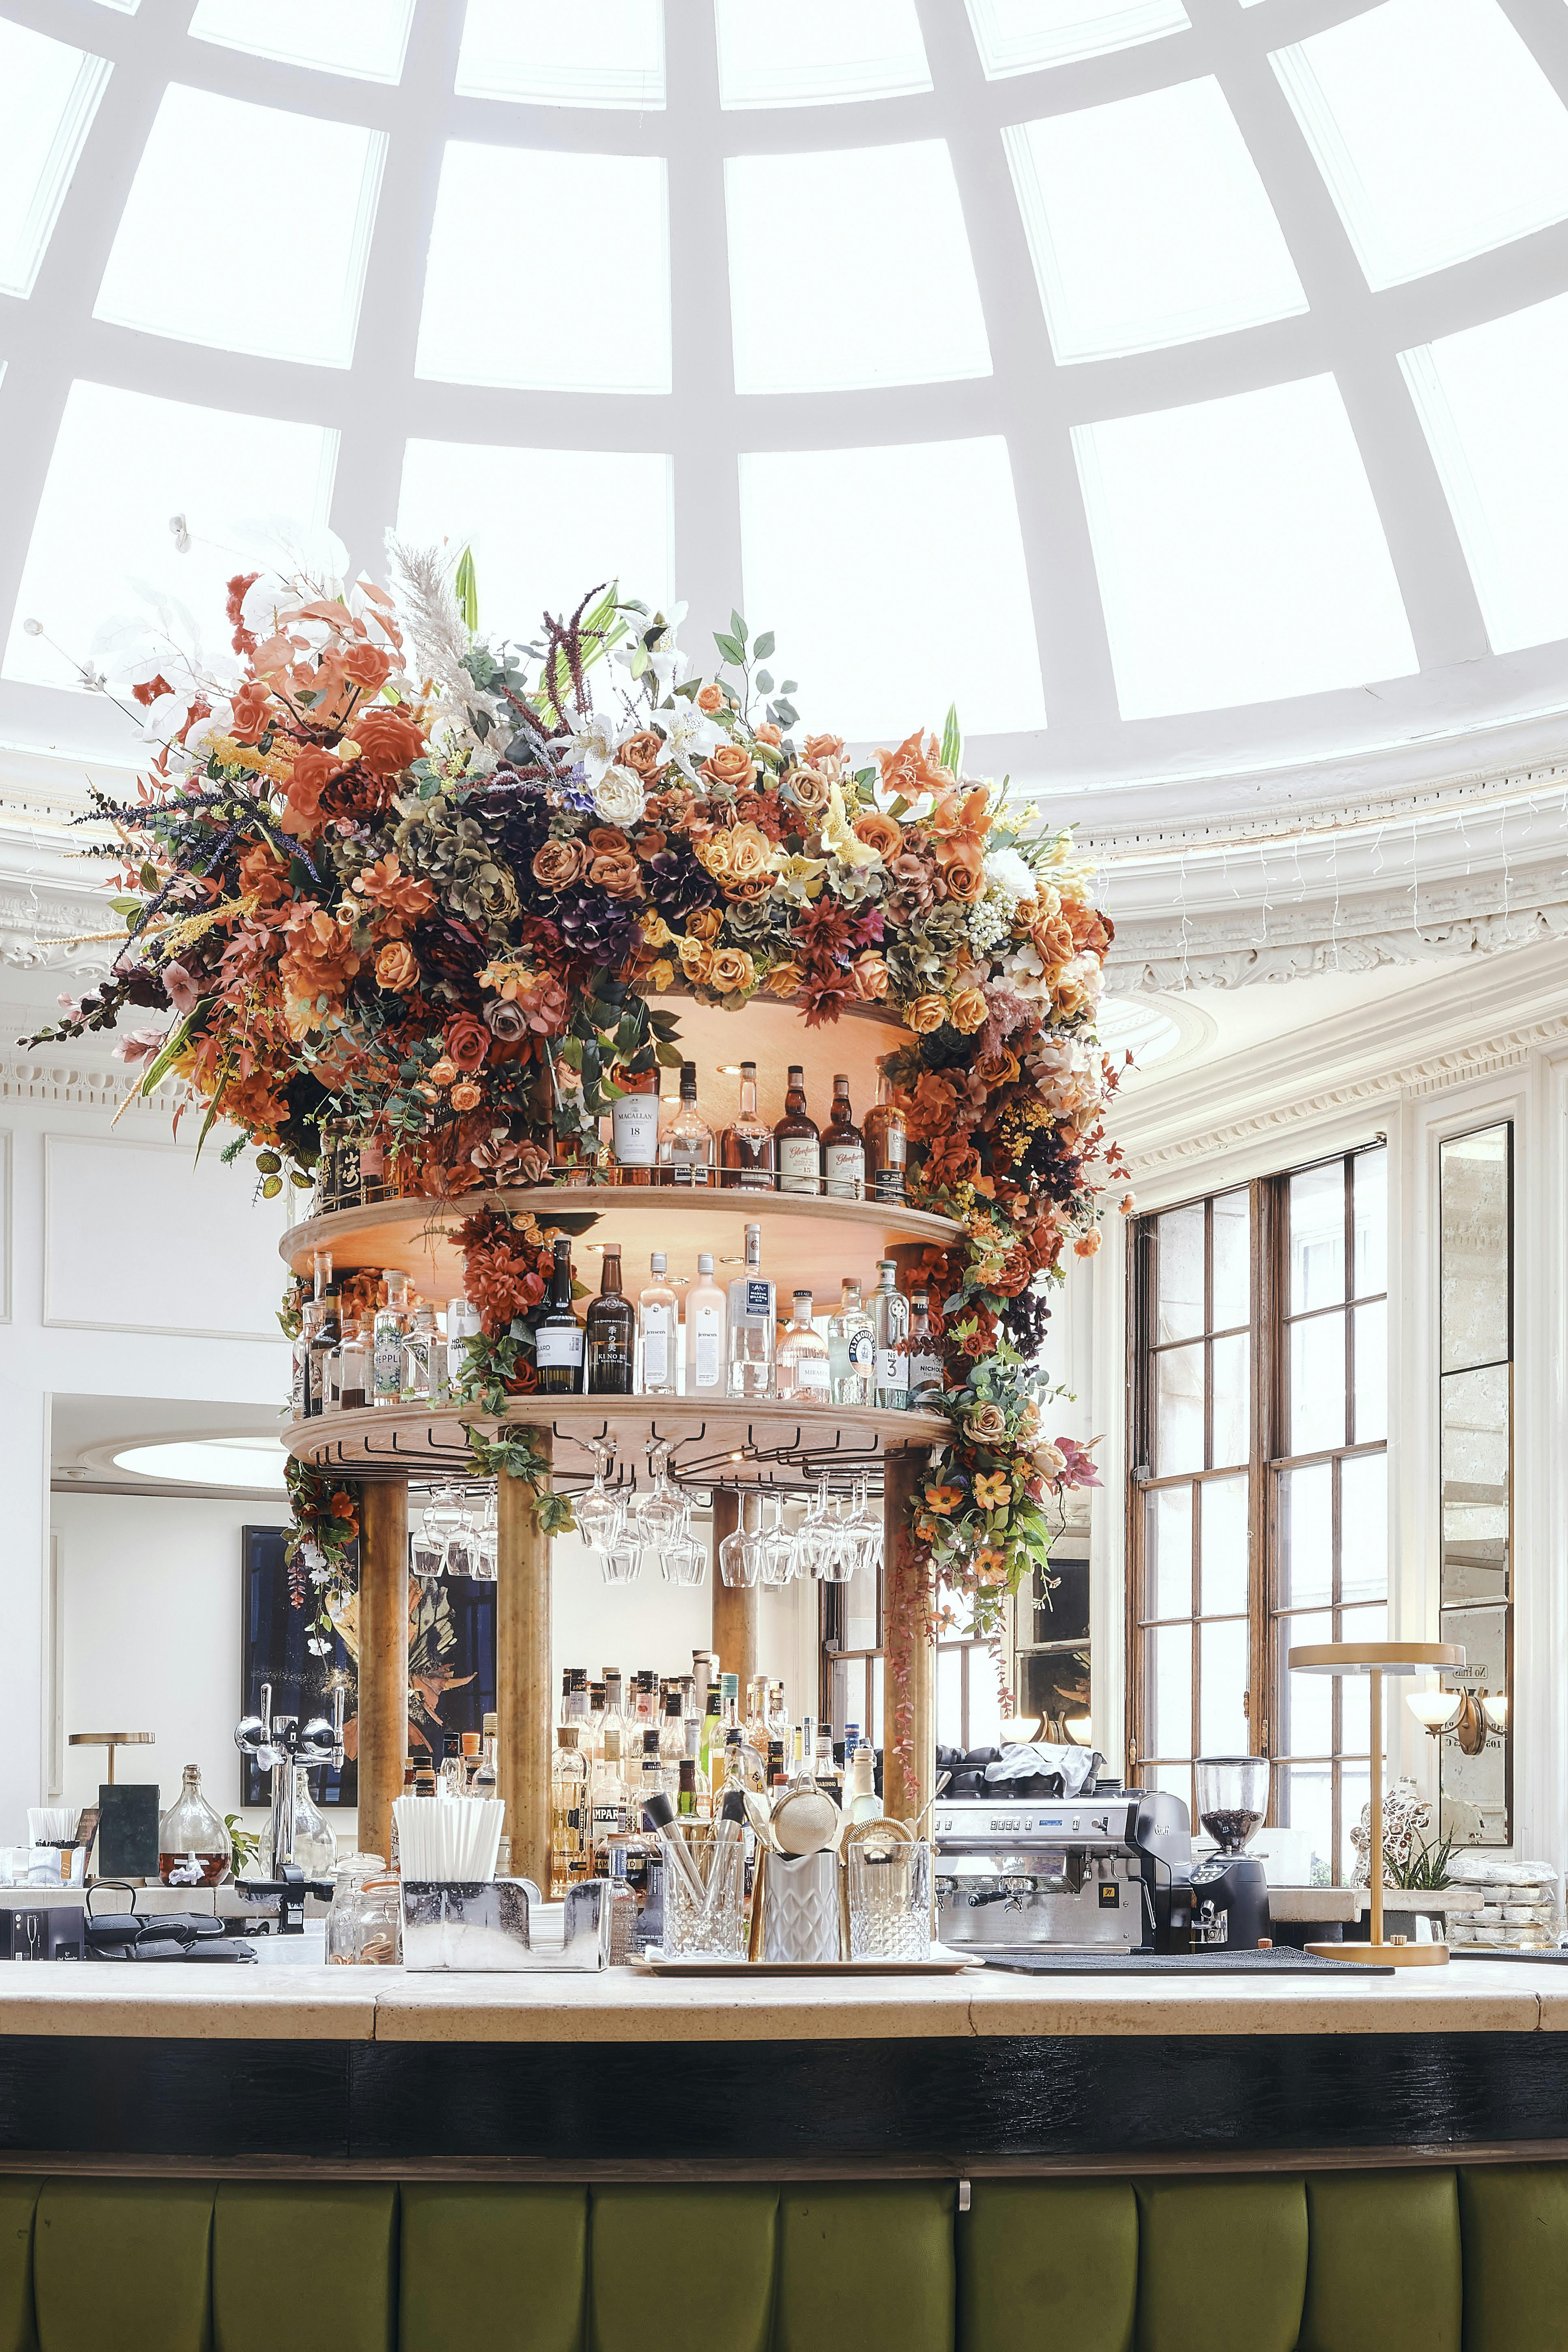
x=765 y=682
x=764 y=645
x=737 y=625
x=731 y=647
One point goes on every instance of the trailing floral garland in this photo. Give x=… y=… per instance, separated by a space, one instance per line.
x=387 y=873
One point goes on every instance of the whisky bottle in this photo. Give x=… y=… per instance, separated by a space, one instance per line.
x=890 y=1331
x=747 y=1149
x=610 y=1337
x=686 y=1142
x=801 y=1365
x=752 y=1324
x=843 y=1150
x=659 y=1332
x=634 y=1126
x=558 y=1335
x=925 y=1362
x=886 y=1147
x=797 y=1146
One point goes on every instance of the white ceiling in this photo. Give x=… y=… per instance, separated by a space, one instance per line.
x=1175 y=386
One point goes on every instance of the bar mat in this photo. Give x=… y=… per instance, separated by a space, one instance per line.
x=1279 y=1962
x=1498 y=1952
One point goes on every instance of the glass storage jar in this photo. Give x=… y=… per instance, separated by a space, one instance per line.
x=194 y=1847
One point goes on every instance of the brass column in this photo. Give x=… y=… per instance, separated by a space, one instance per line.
x=383 y=1657
x=908 y=1691
x=734 y=1632
x=523 y=1676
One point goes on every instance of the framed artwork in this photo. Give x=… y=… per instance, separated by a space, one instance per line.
x=451 y=1662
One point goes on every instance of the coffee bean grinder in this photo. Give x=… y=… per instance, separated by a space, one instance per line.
x=1230 y=1889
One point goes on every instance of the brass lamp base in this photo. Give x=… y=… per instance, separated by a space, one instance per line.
x=1385 y=1955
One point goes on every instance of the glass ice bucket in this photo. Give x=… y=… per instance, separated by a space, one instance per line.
x=715 y=1926
x=800 y=1907
x=890 y=1899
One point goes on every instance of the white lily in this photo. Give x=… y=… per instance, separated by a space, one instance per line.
x=665 y=661
x=593 y=743
x=687 y=735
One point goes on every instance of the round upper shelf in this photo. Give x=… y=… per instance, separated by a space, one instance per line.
x=729 y=1444
x=807 y=1243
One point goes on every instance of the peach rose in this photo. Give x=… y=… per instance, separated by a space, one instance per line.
x=395 y=966
x=749 y=852
x=882 y=833
x=1052 y=941
x=368 y=667
x=705 y=923
x=783 y=979
x=709 y=698
x=926 y=1014
x=696 y=959
x=1087 y=1245
x=466 y=1096
x=731 y=969
x=618 y=874
x=969 y=1010
x=388 y=742
x=769 y=734
x=643 y=754
x=443 y=1072
x=731 y=764
x=963 y=869
x=810 y=786
x=607 y=836
x=824 y=750
x=870 y=974
x=558 y=863
x=661 y=976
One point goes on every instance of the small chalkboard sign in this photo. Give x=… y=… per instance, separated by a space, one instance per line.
x=127 y=1830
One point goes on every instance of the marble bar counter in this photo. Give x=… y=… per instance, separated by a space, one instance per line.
x=116 y=2065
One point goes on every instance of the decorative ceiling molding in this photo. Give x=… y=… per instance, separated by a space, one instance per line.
x=84 y=1085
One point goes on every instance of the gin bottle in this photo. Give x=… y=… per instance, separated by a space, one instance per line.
x=391 y=1326
x=659 y=1332
x=568 y=1812
x=925 y=1362
x=418 y=1348
x=324 y=1343
x=300 y=1389
x=802 y=1363
x=706 y=1313
x=558 y=1335
x=851 y=1348
x=891 y=1330
x=752 y=1324
x=356 y=1355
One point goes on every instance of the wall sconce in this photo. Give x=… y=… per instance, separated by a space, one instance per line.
x=1468 y=1715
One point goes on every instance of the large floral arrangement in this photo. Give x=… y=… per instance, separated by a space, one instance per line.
x=385 y=872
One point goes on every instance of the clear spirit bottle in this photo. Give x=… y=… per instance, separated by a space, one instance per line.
x=558 y=1335
x=747 y=1151
x=611 y=1802
x=299 y=1386
x=390 y=1325
x=887 y=1145
x=355 y=1380
x=610 y=1334
x=752 y=1324
x=568 y=1812
x=686 y=1148
x=890 y=1331
x=659 y=1332
x=925 y=1361
x=843 y=1150
x=797 y=1146
x=801 y=1368
x=706 y=1313
x=325 y=1342
x=419 y=1348
x=462 y=1325
x=852 y=1348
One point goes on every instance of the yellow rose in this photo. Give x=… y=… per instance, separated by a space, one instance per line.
x=926 y=1014
x=969 y=1010
x=661 y=976
x=749 y=852
x=731 y=969
x=696 y=959
x=783 y=979
x=705 y=924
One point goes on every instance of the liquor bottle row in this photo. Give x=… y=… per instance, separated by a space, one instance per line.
x=679 y=1146
x=727 y=1342
x=401 y=1353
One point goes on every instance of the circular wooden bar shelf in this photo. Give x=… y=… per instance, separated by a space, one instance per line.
x=729 y=1444
x=808 y=1243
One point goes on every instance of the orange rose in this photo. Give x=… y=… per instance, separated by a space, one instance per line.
x=709 y=698
x=997 y=1070
x=696 y=959
x=313 y=771
x=607 y=836
x=1052 y=941
x=388 y=742
x=820 y=749
x=769 y=734
x=969 y=1012
x=252 y=710
x=618 y=874
x=443 y=1072
x=367 y=666
x=706 y=923
x=731 y=764
x=558 y=863
x=963 y=869
x=731 y=969
x=870 y=974
x=1087 y=1245
x=466 y=1096
x=926 y=1014
x=783 y=979
x=643 y=754
x=882 y=833
x=395 y=966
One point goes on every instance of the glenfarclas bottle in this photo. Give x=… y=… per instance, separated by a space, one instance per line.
x=558 y=1335
x=797 y=1146
x=633 y=1122
x=843 y=1150
x=887 y=1147
x=611 y=1333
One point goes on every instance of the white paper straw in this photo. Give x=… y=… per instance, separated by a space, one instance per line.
x=450 y=1842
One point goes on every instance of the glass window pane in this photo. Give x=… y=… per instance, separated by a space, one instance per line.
x=51 y=96
x=860 y=1604
x=1370 y=1340
x=1436 y=131
x=366 y=38
x=1304 y=1797
x=950 y=1696
x=865 y=238
x=1476 y=1466
x=1355 y=1691
x=1317 y=1383
x=1170 y=1532
x=1240 y=551
x=1317 y=1213
x=1473 y=1194
x=1364 y=1526
x=1148 y=224
x=1230 y=1362
x=1355 y=1796
x=1016 y=36
x=199 y=149
x=1222 y=1729
x=1308 y=1728
x=985 y=1705
x=882 y=511
x=1176 y=1780
x=563 y=52
x=1054 y=1683
x=1224 y=1545
x=1369 y=1181
x=1306 y=1538
x=1062 y=1613
x=1170 y=1690
x=1232 y=1245
x=469 y=276
x=1179 y=1410
x=817 y=52
x=1179 y=1254
x=875 y=1677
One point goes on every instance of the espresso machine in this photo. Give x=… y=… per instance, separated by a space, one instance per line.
x=279 y=1742
x=1229 y=1889
x=1105 y=1872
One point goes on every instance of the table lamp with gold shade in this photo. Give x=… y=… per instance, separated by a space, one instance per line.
x=1376 y=1659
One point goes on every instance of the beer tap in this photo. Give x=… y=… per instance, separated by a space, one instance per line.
x=279 y=1742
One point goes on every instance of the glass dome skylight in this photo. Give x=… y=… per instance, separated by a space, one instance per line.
x=1177 y=389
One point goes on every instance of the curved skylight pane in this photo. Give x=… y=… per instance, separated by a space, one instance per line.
x=871 y=244
x=563 y=52
x=1149 y=223
x=174 y=269
x=1239 y=552
x=241 y=482
x=926 y=539
x=535 y=519
x=366 y=38
x=50 y=95
x=1016 y=36
x=1436 y=131
x=817 y=52
x=1491 y=402
x=576 y=300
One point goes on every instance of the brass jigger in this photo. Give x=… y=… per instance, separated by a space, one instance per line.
x=111 y=1740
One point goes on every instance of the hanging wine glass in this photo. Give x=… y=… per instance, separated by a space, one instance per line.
x=442 y=1514
x=487 y=1545
x=601 y=1516
x=739 y=1560
x=684 y=1562
x=662 y=1517
x=621 y=1562
x=775 y=1549
x=463 y=1543
x=862 y=1534
x=814 y=1537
